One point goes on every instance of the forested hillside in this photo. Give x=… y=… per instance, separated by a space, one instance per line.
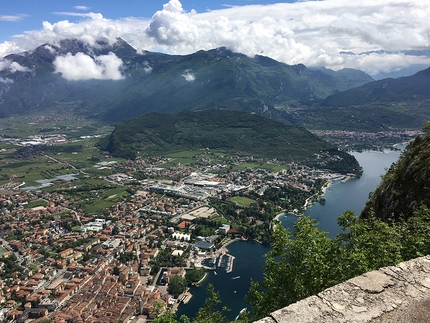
x=405 y=186
x=386 y=90
x=235 y=132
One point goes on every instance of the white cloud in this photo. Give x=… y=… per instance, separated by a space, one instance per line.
x=50 y=48
x=83 y=67
x=12 y=66
x=146 y=67
x=189 y=76
x=12 y=18
x=309 y=32
x=16 y=67
x=83 y=8
x=5 y=80
x=91 y=15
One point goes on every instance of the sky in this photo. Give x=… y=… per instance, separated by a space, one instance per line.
x=376 y=36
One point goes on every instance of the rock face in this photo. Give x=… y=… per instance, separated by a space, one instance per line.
x=392 y=294
x=405 y=187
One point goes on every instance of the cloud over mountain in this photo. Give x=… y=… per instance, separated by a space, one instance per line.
x=12 y=66
x=380 y=34
x=189 y=76
x=83 y=67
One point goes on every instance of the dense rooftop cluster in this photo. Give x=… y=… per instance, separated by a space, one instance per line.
x=62 y=263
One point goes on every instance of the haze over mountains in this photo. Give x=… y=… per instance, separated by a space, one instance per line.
x=114 y=82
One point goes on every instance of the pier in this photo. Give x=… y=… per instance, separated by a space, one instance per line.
x=226 y=261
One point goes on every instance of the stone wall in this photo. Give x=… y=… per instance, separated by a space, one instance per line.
x=391 y=294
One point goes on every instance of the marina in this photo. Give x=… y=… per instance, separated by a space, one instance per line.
x=226 y=261
x=248 y=263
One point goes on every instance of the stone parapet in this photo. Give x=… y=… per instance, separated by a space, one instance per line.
x=391 y=294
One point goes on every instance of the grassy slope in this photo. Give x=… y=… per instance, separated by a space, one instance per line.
x=404 y=188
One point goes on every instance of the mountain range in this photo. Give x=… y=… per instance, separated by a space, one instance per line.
x=216 y=78
x=113 y=82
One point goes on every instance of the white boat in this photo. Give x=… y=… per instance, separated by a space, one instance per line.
x=243 y=310
x=237 y=277
x=215 y=273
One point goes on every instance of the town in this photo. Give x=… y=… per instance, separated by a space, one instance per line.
x=109 y=251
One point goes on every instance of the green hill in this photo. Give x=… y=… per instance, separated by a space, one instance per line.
x=231 y=131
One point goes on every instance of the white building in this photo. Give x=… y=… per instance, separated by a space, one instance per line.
x=224 y=229
x=181 y=236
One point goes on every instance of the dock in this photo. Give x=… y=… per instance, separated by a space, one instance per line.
x=186 y=298
x=229 y=269
x=226 y=261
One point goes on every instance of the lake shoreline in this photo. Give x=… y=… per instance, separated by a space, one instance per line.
x=250 y=260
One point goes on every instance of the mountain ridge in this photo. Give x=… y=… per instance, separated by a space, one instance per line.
x=386 y=90
x=159 y=82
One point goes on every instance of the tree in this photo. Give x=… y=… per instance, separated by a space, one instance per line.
x=296 y=267
x=209 y=313
x=306 y=262
x=115 y=230
x=116 y=271
x=426 y=127
x=367 y=244
x=177 y=285
x=194 y=275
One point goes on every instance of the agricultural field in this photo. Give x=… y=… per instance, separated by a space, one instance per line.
x=186 y=157
x=21 y=127
x=37 y=203
x=29 y=164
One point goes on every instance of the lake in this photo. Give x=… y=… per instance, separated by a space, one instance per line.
x=249 y=262
x=351 y=195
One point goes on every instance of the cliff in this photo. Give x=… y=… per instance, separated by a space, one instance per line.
x=404 y=188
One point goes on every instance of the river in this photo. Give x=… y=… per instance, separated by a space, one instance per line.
x=249 y=262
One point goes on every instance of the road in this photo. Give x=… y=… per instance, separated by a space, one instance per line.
x=6 y=246
x=66 y=164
